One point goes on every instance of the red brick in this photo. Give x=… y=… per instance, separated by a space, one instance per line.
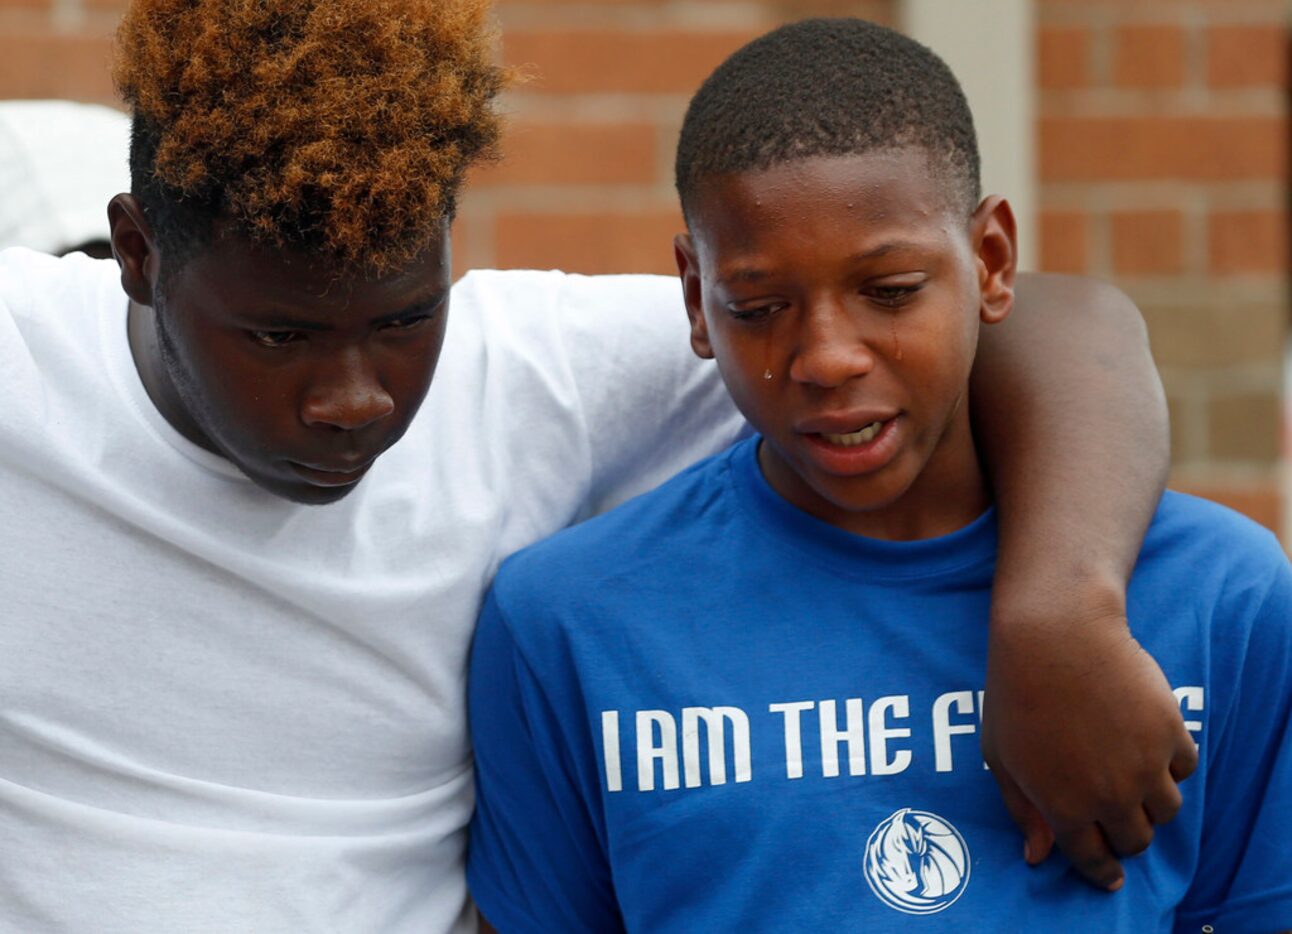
x=1148 y=56
x=1245 y=428
x=43 y=65
x=521 y=4
x=1065 y=237
x=573 y=154
x=1063 y=58
x=1215 y=335
x=641 y=61
x=1247 y=56
x=1132 y=148
x=590 y=243
x=878 y=11
x=1166 y=7
x=1148 y=242
x=1248 y=242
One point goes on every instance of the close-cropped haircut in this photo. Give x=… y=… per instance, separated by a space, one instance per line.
x=341 y=128
x=828 y=87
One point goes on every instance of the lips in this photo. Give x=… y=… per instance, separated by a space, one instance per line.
x=332 y=474
x=857 y=443
x=844 y=422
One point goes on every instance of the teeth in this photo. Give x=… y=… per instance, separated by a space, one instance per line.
x=854 y=438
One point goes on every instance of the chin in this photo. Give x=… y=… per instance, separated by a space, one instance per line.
x=318 y=496
x=304 y=494
x=862 y=495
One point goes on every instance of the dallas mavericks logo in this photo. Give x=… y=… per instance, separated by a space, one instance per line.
x=916 y=862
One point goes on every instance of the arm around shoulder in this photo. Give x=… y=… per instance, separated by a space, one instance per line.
x=1071 y=421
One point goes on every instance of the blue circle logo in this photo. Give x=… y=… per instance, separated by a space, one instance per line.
x=916 y=862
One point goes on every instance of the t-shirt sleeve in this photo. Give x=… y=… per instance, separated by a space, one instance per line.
x=1243 y=884
x=650 y=405
x=536 y=862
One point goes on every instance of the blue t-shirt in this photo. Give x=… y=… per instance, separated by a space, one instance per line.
x=709 y=711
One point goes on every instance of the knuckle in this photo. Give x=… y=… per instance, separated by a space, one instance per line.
x=1137 y=843
x=1166 y=811
x=1187 y=764
x=1080 y=852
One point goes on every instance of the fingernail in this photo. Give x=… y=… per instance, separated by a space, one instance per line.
x=1117 y=885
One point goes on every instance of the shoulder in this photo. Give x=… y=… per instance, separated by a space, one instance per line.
x=559 y=322
x=652 y=537
x=505 y=301
x=1194 y=533
x=39 y=290
x=522 y=291
x=1217 y=565
x=51 y=313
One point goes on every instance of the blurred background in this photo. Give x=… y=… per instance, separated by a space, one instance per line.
x=1141 y=141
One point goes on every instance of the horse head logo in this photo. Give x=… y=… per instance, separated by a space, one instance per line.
x=916 y=862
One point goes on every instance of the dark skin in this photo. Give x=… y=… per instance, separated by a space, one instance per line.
x=277 y=364
x=858 y=285
x=1079 y=784
x=300 y=379
x=842 y=294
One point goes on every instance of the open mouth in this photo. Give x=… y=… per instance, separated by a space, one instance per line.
x=854 y=438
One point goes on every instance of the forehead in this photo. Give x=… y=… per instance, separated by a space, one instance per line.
x=234 y=275
x=890 y=189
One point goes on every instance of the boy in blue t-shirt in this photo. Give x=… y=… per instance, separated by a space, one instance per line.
x=750 y=699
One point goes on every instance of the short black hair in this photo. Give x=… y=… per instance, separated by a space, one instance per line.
x=828 y=87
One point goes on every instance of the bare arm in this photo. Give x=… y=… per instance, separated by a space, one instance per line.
x=1080 y=727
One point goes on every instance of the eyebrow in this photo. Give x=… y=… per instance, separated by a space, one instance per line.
x=883 y=249
x=277 y=321
x=753 y=274
x=743 y=274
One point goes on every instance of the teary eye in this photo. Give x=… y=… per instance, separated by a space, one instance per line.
x=891 y=296
x=273 y=338
x=755 y=313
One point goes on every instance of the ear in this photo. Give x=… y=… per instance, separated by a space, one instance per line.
x=994 y=239
x=134 y=248
x=688 y=267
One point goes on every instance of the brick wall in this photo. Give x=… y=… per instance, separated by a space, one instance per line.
x=1163 y=164
x=1162 y=138
x=587 y=183
x=57 y=48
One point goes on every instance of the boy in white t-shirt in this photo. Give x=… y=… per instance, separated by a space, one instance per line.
x=224 y=709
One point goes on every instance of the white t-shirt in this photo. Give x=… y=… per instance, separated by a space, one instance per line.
x=221 y=711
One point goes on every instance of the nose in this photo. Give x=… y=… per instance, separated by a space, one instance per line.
x=347 y=394
x=831 y=348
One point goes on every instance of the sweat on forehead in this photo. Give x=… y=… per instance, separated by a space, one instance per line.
x=828 y=87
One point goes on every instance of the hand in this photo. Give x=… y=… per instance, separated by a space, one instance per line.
x=1084 y=737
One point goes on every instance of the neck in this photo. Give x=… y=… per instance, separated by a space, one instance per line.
x=146 y=350
x=948 y=493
